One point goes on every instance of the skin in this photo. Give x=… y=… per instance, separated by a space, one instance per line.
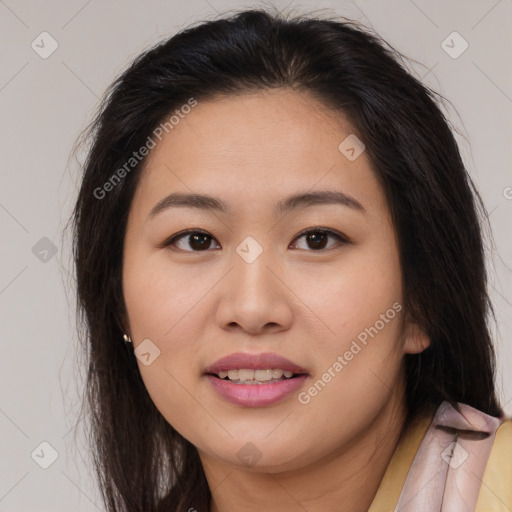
x=303 y=303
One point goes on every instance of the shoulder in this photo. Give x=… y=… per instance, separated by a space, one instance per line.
x=496 y=489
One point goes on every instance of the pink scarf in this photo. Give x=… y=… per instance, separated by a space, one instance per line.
x=446 y=473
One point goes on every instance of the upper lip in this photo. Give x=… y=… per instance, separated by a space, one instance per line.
x=262 y=361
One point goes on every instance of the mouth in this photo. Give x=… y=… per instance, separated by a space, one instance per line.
x=255 y=380
x=262 y=368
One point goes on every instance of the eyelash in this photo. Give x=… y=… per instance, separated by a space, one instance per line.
x=342 y=239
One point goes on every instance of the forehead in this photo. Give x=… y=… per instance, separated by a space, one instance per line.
x=254 y=146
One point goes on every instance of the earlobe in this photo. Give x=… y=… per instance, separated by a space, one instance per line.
x=416 y=339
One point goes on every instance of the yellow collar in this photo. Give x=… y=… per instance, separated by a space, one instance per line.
x=393 y=480
x=496 y=490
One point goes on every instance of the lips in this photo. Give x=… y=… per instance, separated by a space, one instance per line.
x=255 y=394
x=262 y=361
x=251 y=395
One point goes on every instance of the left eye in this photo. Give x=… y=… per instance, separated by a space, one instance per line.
x=318 y=238
x=199 y=241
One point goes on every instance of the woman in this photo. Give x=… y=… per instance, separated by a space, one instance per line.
x=275 y=217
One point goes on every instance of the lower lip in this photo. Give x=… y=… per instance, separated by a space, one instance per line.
x=256 y=395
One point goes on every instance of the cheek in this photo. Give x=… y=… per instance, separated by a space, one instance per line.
x=359 y=308
x=165 y=308
x=169 y=305
x=162 y=300
x=351 y=295
x=358 y=366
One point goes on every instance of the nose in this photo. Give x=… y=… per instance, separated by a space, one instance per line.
x=254 y=296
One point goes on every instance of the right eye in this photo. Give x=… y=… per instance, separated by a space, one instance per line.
x=190 y=240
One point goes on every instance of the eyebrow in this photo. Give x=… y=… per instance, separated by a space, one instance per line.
x=294 y=202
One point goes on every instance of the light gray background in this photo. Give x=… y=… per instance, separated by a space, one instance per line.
x=45 y=103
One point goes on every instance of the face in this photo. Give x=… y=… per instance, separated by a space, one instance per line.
x=316 y=281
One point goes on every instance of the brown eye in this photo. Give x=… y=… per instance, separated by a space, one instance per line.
x=191 y=241
x=318 y=239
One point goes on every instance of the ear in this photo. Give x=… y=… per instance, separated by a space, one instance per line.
x=416 y=339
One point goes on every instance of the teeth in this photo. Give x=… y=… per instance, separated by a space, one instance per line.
x=263 y=375
x=233 y=374
x=255 y=375
x=243 y=375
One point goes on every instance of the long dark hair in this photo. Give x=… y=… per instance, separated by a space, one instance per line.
x=141 y=461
